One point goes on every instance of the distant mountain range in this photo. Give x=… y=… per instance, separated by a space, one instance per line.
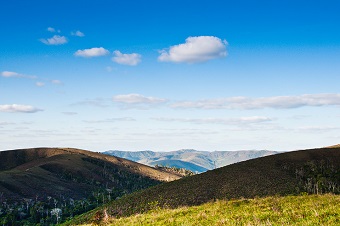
x=196 y=161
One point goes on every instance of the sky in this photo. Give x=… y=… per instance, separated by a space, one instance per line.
x=167 y=75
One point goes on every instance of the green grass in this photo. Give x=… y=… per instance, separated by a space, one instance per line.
x=288 y=210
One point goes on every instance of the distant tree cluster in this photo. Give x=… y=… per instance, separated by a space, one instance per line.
x=172 y=169
x=318 y=177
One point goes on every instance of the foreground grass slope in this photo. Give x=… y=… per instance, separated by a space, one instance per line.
x=312 y=171
x=288 y=210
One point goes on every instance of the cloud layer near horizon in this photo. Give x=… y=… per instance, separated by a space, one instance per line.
x=227 y=121
x=277 y=102
x=137 y=99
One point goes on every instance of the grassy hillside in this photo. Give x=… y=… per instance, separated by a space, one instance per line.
x=288 y=210
x=35 y=181
x=193 y=160
x=312 y=171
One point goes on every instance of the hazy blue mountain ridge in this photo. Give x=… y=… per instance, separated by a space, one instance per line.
x=196 y=161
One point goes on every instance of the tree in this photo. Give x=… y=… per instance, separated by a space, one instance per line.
x=57 y=213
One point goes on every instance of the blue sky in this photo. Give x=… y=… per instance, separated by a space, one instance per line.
x=166 y=75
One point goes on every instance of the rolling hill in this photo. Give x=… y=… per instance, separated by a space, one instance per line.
x=65 y=177
x=196 y=161
x=311 y=171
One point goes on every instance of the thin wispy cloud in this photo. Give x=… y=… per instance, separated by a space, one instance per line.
x=195 y=50
x=316 y=129
x=123 y=119
x=56 y=82
x=126 y=59
x=225 y=121
x=40 y=84
x=69 y=113
x=53 y=30
x=97 y=102
x=17 y=108
x=55 y=40
x=134 y=98
x=93 y=52
x=6 y=123
x=12 y=74
x=276 y=102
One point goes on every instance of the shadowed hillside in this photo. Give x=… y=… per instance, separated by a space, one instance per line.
x=311 y=171
x=196 y=161
x=65 y=177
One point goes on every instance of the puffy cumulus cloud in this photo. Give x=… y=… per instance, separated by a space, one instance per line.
x=17 y=108
x=195 y=50
x=55 y=40
x=78 y=34
x=93 y=52
x=228 y=121
x=127 y=59
x=276 y=102
x=137 y=99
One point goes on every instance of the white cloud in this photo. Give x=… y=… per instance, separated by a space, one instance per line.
x=69 y=113
x=98 y=102
x=55 y=40
x=124 y=119
x=51 y=29
x=12 y=74
x=276 y=102
x=13 y=108
x=137 y=99
x=195 y=50
x=8 y=74
x=317 y=128
x=228 y=121
x=6 y=123
x=78 y=33
x=57 y=82
x=127 y=59
x=93 y=52
x=40 y=84
x=109 y=69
